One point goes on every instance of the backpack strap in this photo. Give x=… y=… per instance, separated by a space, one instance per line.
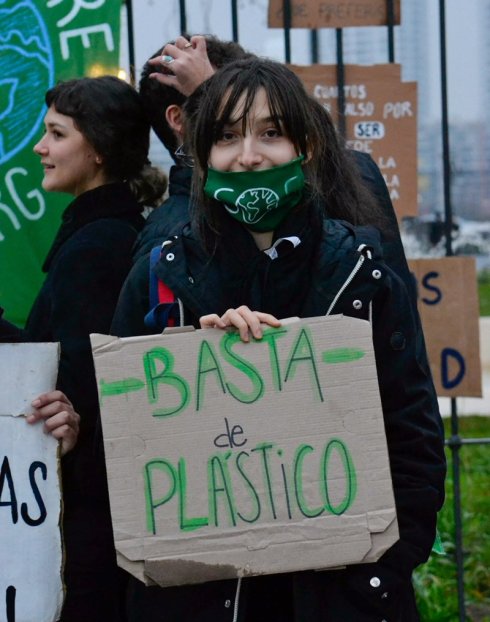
x=164 y=308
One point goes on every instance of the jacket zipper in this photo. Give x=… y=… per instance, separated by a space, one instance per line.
x=237 y=600
x=181 y=312
x=351 y=276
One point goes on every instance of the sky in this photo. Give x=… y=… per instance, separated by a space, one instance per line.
x=463 y=40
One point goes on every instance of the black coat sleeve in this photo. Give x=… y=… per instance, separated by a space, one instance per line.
x=9 y=333
x=134 y=302
x=382 y=590
x=84 y=284
x=393 y=252
x=79 y=298
x=413 y=424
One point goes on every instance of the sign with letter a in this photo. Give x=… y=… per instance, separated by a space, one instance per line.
x=228 y=459
x=31 y=589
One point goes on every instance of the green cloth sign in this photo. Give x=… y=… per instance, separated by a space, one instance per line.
x=40 y=44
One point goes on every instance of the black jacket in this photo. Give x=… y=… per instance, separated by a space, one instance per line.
x=8 y=332
x=86 y=266
x=133 y=303
x=305 y=281
x=171 y=216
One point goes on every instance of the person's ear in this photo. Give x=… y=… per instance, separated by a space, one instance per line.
x=307 y=155
x=174 y=116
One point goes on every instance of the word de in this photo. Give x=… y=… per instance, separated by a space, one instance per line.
x=230 y=437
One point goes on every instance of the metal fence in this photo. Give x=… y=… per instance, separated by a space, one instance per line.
x=455 y=442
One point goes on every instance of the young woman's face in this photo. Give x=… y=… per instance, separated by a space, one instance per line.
x=259 y=147
x=70 y=163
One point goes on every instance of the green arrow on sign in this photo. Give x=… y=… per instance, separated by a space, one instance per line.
x=107 y=389
x=342 y=355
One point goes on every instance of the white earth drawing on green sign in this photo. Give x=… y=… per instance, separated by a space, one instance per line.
x=26 y=72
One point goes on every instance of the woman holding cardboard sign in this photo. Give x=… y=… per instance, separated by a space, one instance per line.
x=269 y=170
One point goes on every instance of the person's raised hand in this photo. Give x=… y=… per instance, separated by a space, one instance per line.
x=183 y=64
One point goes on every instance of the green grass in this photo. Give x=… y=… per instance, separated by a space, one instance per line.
x=484 y=291
x=435 y=582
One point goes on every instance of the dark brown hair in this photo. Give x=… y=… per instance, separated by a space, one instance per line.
x=157 y=97
x=110 y=115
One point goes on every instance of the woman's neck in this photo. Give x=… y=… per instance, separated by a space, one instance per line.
x=263 y=240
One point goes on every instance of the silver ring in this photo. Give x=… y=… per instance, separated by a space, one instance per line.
x=166 y=59
x=187 y=45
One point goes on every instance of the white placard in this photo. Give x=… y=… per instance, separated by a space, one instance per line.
x=31 y=588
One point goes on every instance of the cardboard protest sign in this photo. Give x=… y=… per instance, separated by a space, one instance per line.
x=333 y=14
x=227 y=459
x=31 y=588
x=381 y=119
x=449 y=309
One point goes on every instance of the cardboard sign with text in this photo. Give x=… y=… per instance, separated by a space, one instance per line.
x=227 y=459
x=449 y=309
x=30 y=539
x=380 y=117
x=332 y=14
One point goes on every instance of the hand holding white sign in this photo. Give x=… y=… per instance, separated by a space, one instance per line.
x=60 y=418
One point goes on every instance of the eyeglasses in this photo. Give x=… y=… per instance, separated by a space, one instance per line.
x=183 y=157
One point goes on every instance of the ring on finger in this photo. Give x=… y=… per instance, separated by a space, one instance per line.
x=166 y=59
x=187 y=45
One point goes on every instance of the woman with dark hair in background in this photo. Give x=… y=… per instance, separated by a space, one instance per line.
x=95 y=147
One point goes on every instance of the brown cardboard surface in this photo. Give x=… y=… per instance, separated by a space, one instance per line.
x=380 y=117
x=333 y=14
x=449 y=309
x=227 y=459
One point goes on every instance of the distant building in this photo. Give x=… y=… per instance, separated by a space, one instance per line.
x=469 y=143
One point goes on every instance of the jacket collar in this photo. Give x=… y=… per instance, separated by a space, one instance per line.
x=237 y=265
x=179 y=180
x=212 y=284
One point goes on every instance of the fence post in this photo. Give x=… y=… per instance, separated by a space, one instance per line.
x=454 y=441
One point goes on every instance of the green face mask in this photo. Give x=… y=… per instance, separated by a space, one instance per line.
x=260 y=200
